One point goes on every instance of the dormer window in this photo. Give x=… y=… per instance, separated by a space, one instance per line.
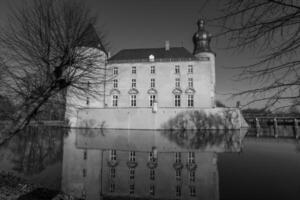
x=177 y=69
x=133 y=70
x=151 y=58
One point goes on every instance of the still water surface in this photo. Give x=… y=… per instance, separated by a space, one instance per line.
x=121 y=164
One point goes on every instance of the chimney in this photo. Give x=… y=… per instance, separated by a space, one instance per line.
x=167 y=45
x=108 y=54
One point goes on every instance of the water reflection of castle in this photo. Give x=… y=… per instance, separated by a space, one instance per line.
x=144 y=164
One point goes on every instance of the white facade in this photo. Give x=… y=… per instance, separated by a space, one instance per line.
x=194 y=80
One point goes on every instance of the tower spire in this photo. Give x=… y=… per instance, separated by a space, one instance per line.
x=201 y=38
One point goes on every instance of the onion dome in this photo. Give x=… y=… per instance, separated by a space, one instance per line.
x=201 y=39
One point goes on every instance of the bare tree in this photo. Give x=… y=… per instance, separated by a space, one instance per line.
x=46 y=49
x=270 y=28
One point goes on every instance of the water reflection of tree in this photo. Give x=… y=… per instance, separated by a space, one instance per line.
x=201 y=139
x=225 y=119
x=36 y=148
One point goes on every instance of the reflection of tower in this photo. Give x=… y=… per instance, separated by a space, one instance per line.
x=202 y=51
x=141 y=164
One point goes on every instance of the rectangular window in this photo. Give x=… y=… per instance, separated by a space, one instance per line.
x=177 y=157
x=190 y=100
x=133 y=100
x=192 y=176
x=115 y=71
x=152 y=190
x=132 y=156
x=112 y=172
x=131 y=173
x=152 y=70
x=178 y=174
x=84 y=172
x=191 y=157
x=115 y=81
x=152 y=100
x=152 y=174
x=85 y=154
x=152 y=83
x=115 y=101
x=133 y=70
x=112 y=187
x=178 y=191
x=190 y=69
x=177 y=100
x=190 y=82
x=192 y=191
x=131 y=189
x=177 y=69
x=177 y=82
x=133 y=83
x=113 y=154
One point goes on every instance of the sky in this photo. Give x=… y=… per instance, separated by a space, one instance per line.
x=149 y=23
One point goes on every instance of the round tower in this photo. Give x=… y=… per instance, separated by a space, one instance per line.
x=203 y=53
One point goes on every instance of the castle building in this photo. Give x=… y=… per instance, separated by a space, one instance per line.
x=170 y=76
x=154 y=88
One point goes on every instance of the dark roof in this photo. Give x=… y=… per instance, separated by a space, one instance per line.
x=91 y=39
x=160 y=54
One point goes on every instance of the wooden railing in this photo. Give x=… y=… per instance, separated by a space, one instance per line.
x=257 y=122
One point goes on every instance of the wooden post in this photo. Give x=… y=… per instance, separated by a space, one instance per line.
x=275 y=128
x=257 y=126
x=296 y=132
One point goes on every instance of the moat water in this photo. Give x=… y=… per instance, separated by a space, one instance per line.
x=126 y=164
